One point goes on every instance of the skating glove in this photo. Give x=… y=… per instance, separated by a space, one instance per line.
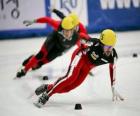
x=28 y=22
x=116 y=95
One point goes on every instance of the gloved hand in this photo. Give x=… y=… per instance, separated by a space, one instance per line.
x=116 y=95
x=28 y=22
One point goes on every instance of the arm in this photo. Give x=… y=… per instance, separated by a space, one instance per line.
x=58 y=13
x=82 y=40
x=55 y=24
x=86 y=40
x=112 y=69
x=84 y=36
x=50 y=21
x=116 y=95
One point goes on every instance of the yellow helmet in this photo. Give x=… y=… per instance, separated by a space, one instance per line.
x=108 y=37
x=67 y=23
x=75 y=18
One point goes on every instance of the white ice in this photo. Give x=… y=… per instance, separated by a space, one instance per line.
x=94 y=94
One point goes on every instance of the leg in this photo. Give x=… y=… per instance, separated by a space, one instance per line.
x=48 y=87
x=58 y=87
x=82 y=76
x=27 y=60
x=36 y=60
x=32 y=62
x=61 y=84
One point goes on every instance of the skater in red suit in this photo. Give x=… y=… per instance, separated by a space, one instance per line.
x=59 y=41
x=101 y=51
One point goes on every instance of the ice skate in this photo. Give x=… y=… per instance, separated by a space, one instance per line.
x=42 y=100
x=20 y=73
x=41 y=89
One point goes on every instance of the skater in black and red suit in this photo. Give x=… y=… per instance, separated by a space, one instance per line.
x=100 y=52
x=79 y=27
x=59 y=41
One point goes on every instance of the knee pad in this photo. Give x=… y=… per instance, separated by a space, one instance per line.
x=39 y=55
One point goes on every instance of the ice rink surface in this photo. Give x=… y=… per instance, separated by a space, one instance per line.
x=94 y=94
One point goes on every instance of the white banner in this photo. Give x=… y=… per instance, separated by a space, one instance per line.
x=67 y=6
x=14 y=12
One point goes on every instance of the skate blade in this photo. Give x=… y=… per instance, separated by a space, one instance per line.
x=15 y=78
x=38 y=105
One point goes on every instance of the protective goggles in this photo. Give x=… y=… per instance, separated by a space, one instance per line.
x=107 y=47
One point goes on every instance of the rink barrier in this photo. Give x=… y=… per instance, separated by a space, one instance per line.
x=95 y=14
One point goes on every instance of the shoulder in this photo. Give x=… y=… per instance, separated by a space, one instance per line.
x=82 y=28
x=95 y=41
x=81 y=25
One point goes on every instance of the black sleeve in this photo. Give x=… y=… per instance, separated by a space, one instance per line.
x=115 y=55
x=59 y=13
x=94 y=40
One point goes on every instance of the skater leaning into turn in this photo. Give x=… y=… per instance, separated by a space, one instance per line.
x=78 y=27
x=58 y=42
x=100 y=51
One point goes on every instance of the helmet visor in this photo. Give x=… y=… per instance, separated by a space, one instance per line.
x=108 y=48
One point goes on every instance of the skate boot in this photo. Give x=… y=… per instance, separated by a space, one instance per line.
x=42 y=100
x=20 y=73
x=41 y=89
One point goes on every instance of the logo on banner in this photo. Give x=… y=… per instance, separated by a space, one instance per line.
x=67 y=6
x=5 y=9
x=13 y=12
x=70 y=5
x=120 y=4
